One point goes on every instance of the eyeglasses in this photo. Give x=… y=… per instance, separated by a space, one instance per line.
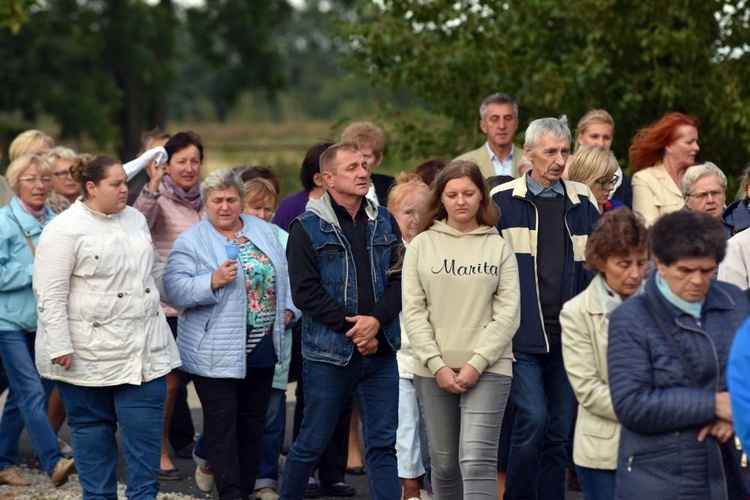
x=62 y=174
x=609 y=182
x=33 y=179
x=705 y=194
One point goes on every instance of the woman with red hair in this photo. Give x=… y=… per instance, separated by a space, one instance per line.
x=659 y=156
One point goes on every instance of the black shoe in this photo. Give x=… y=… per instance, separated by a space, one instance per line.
x=337 y=490
x=170 y=475
x=312 y=490
x=356 y=471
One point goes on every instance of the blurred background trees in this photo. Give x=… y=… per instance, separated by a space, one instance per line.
x=637 y=59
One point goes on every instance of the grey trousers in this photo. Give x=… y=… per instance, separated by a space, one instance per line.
x=464 y=430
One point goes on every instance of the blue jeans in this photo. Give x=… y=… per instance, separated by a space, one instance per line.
x=374 y=382
x=26 y=404
x=273 y=440
x=597 y=484
x=544 y=403
x=93 y=415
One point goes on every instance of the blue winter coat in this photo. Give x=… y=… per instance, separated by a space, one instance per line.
x=212 y=329
x=660 y=409
x=17 y=302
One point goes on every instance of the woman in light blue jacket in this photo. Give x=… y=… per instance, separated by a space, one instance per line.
x=229 y=274
x=21 y=223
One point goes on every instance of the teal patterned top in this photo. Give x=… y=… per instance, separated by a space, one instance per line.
x=260 y=284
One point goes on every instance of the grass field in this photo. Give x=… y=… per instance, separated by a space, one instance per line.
x=281 y=146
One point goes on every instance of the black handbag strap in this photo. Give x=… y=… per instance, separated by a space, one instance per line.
x=672 y=342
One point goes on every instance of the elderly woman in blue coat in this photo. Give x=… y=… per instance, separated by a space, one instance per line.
x=668 y=351
x=21 y=223
x=229 y=274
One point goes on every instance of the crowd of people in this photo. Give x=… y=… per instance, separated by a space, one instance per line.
x=513 y=323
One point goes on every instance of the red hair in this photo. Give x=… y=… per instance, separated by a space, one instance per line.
x=649 y=142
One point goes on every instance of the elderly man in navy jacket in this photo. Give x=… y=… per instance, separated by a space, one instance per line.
x=547 y=221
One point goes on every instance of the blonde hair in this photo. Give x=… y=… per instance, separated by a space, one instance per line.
x=259 y=190
x=365 y=135
x=593 y=116
x=408 y=185
x=591 y=163
x=17 y=166
x=28 y=142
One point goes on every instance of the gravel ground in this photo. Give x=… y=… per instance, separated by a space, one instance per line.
x=41 y=489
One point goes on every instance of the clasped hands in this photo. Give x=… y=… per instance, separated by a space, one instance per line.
x=457 y=383
x=364 y=333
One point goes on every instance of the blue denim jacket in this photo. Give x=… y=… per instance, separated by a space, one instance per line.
x=339 y=278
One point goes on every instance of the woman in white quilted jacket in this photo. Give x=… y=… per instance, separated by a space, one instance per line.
x=102 y=334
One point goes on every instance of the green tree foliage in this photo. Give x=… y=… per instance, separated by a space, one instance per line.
x=237 y=39
x=635 y=59
x=104 y=68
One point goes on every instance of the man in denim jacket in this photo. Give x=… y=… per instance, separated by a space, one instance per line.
x=342 y=255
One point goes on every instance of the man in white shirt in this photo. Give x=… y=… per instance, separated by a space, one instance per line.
x=498 y=119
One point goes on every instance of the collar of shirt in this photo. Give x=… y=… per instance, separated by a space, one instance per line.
x=537 y=189
x=343 y=213
x=504 y=167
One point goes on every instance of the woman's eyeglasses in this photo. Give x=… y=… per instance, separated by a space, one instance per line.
x=608 y=181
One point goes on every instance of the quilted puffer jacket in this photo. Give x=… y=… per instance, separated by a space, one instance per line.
x=660 y=409
x=212 y=328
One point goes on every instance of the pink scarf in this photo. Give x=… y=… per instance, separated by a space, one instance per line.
x=40 y=215
x=191 y=197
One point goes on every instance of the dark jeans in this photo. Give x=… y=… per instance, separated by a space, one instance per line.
x=331 y=465
x=234 y=416
x=597 y=484
x=544 y=403
x=373 y=380
x=181 y=429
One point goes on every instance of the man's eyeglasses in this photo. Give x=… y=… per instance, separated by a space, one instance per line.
x=608 y=182
x=33 y=179
x=705 y=194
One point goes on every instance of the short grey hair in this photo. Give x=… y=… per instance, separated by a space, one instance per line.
x=223 y=178
x=697 y=172
x=61 y=153
x=556 y=127
x=497 y=98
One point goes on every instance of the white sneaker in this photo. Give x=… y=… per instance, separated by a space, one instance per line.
x=204 y=478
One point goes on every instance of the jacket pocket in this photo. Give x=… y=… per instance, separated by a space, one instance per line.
x=100 y=341
x=650 y=474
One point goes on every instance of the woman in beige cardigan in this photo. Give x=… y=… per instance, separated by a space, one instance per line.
x=618 y=252
x=659 y=156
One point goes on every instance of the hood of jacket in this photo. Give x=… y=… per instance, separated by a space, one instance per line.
x=737 y=215
x=442 y=227
x=322 y=208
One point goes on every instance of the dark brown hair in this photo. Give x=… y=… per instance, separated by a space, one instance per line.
x=616 y=234
x=488 y=213
x=429 y=169
x=182 y=140
x=87 y=169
